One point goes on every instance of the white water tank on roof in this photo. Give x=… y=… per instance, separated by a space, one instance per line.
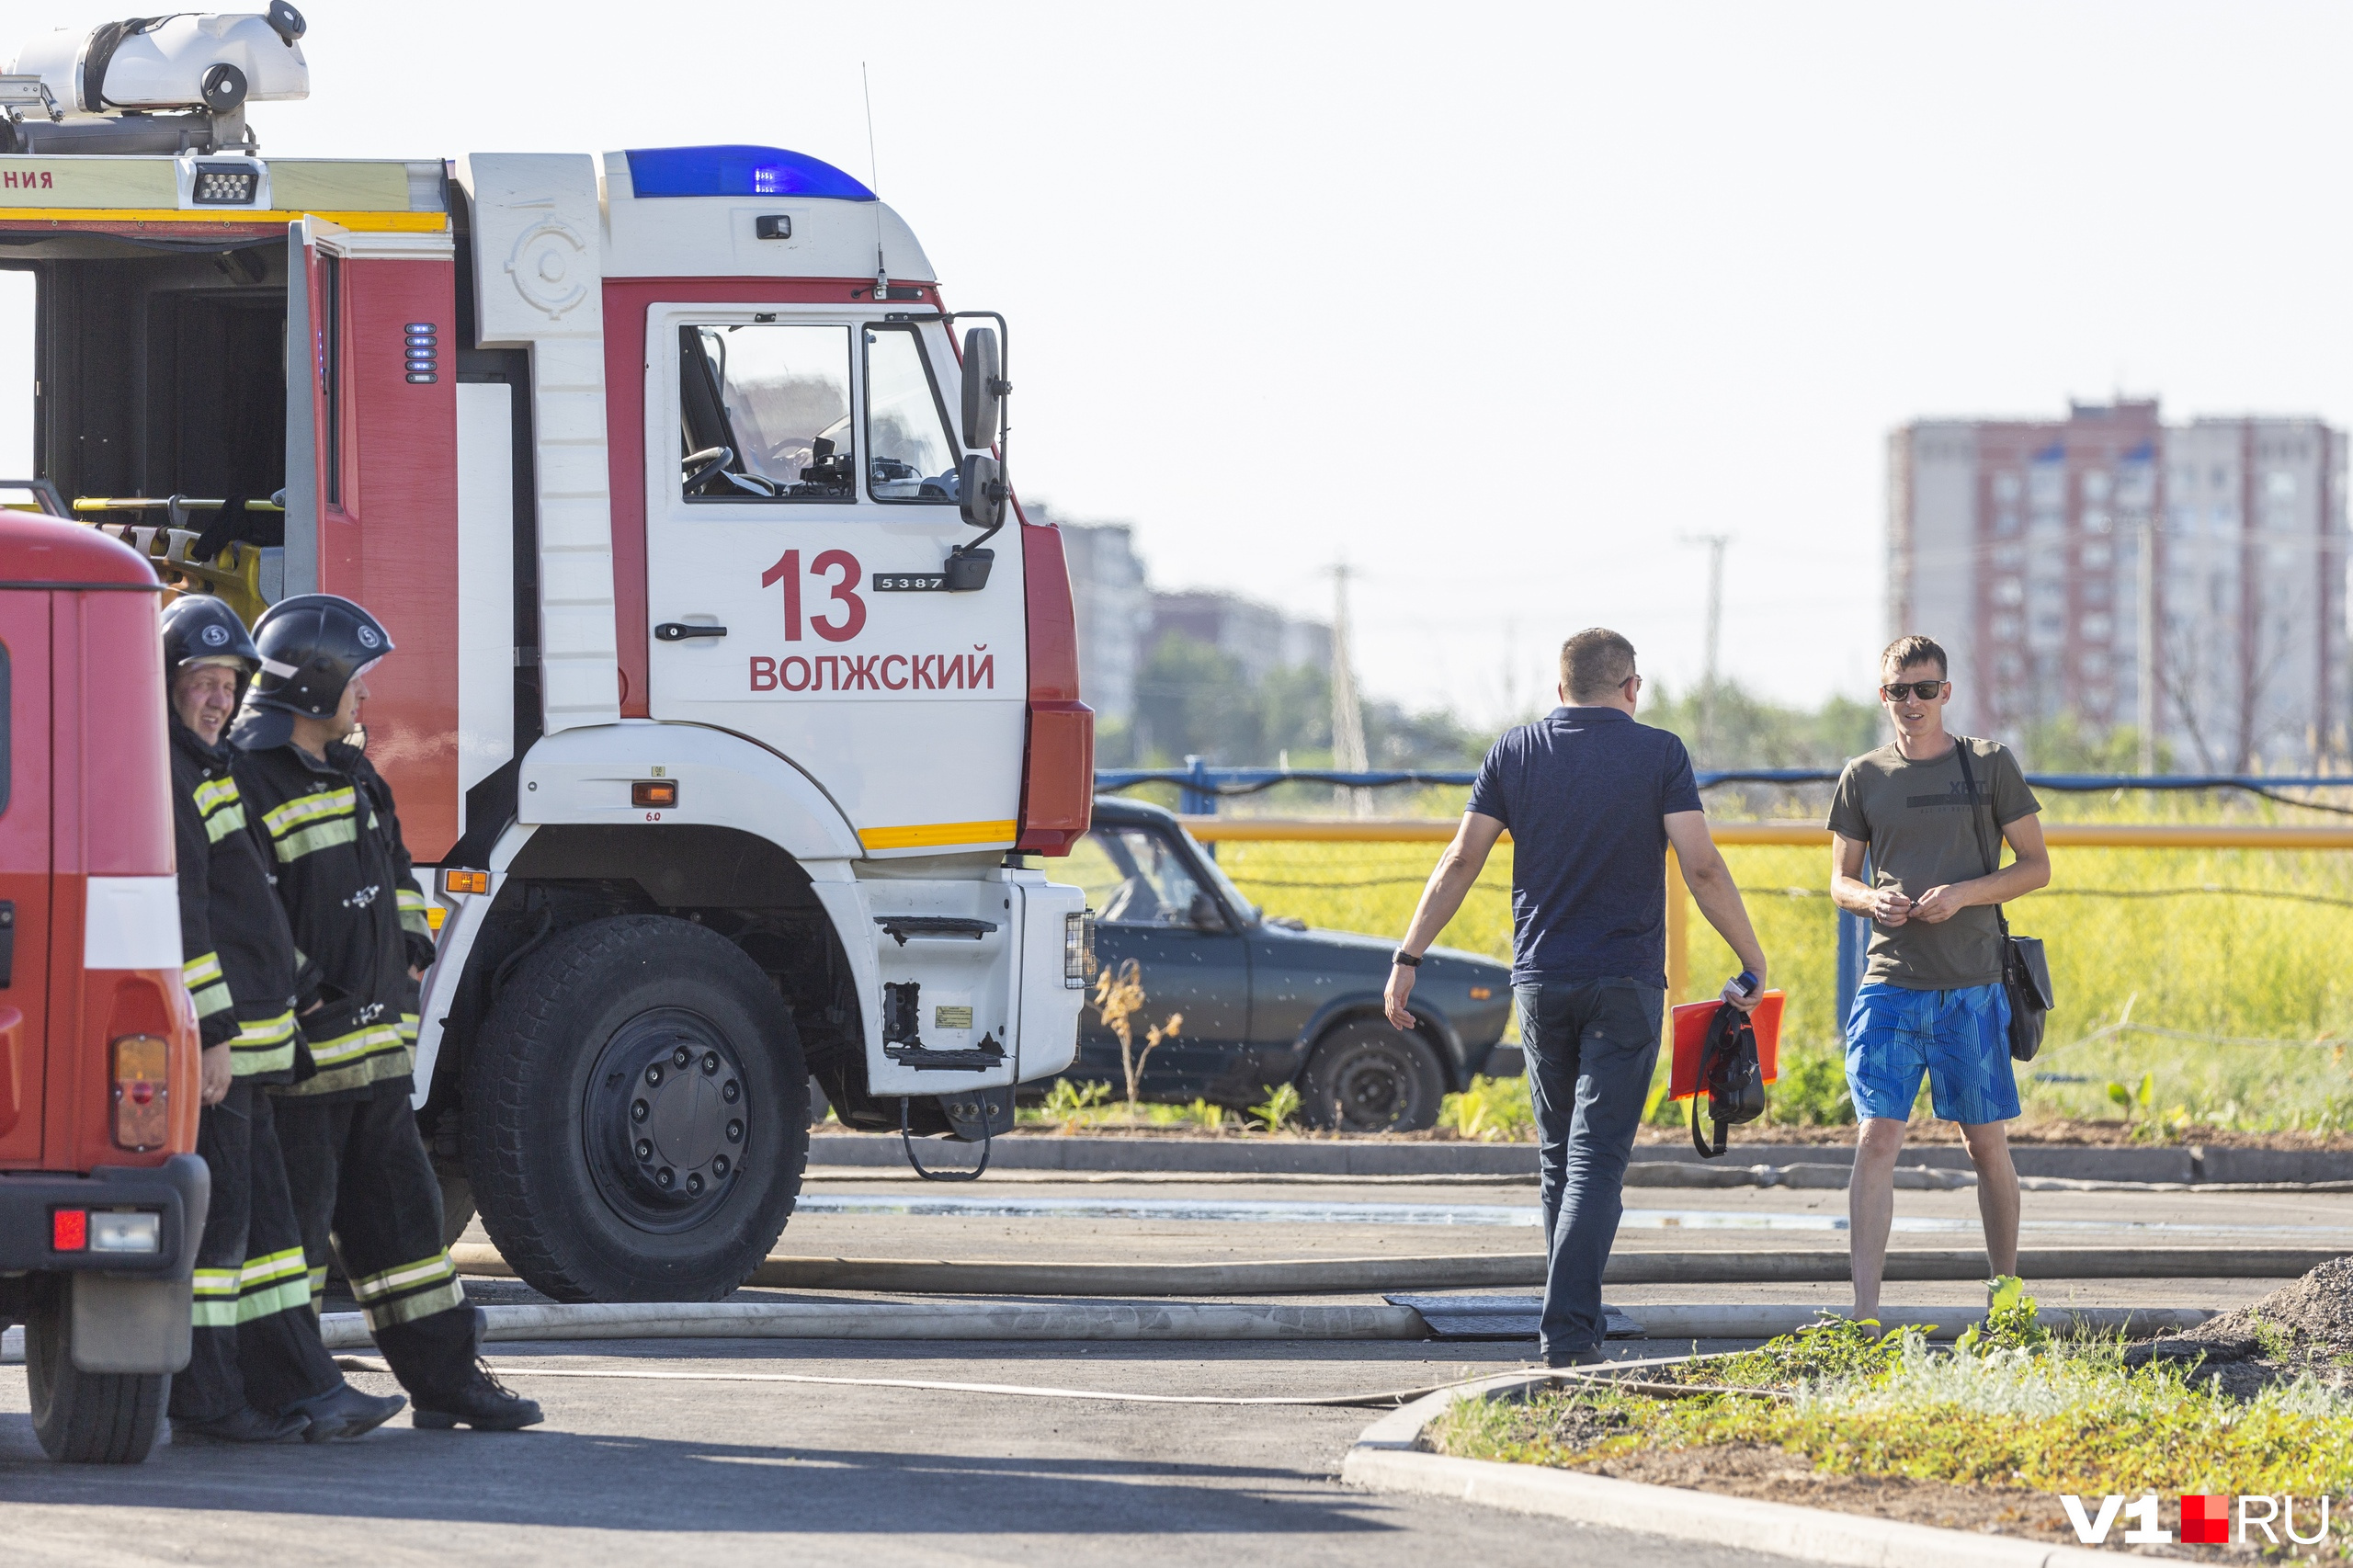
x=200 y=60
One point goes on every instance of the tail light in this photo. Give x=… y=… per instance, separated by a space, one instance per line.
x=142 y=1092
x=1078 y=949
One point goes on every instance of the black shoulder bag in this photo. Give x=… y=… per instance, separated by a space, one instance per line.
x=2026 y=973
x=1730 y=1076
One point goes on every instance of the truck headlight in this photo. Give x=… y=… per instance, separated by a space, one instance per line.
x=1078 y=949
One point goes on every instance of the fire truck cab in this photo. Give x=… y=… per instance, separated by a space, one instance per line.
x=725 y=724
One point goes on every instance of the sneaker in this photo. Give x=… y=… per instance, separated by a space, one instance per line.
x=484 y=1403
x=1574 y=1358
x=243 y=1425
x=344 y=1412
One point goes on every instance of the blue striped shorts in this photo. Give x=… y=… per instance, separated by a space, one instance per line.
x=1960 y=1039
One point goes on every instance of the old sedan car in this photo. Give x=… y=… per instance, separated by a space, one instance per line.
x=1267 y=1001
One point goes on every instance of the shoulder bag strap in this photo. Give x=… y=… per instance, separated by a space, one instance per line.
x=1977 y=825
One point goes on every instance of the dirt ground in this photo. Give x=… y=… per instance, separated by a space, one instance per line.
x=1750 y=1470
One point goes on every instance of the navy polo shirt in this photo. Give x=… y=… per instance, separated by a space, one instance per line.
x=1584 y=792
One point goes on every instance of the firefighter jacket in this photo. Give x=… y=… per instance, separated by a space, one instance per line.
x=242 y=968
x=343 y=877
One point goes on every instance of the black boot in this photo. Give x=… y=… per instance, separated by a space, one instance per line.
x=243 y=1425
x=345 y=1412
x=481 y=1402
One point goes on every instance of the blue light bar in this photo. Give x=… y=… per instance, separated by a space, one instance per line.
x=738 y=171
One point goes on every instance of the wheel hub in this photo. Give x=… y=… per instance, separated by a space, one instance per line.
x=664 y=1120
x=1372 y=1094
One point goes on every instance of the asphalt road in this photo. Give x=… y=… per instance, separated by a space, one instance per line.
x=652 y=1470
x=636 y=1471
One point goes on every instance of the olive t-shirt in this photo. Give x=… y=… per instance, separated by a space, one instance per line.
x=1925 y=831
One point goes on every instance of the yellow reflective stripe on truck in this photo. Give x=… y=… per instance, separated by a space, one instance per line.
x=363 y=222
x=935 y=835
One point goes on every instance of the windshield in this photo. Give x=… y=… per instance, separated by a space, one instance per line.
x=1138 y=876
x=1248 y=911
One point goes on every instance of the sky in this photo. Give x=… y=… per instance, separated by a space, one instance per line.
x=1499 y=306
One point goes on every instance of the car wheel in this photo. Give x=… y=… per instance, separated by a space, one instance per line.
x=636 y=1114
x=1368 y=1077
x=85 y=1417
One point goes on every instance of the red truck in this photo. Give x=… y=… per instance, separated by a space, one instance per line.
x=102 y=1197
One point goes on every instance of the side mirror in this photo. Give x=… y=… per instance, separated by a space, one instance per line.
x=979 y=489
x=1204 y=915
x=985 y=388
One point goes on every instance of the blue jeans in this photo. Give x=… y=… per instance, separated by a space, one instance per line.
x=1590 y=1050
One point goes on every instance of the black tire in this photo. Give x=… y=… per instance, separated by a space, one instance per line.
x=636 y=1114
x=457 y=1206
x=1368 y=1077
x=85 y=1417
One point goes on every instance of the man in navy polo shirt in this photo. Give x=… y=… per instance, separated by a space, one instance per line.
x=1592 y=801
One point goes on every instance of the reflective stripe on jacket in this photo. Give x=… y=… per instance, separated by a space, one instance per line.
x=240 y=966
x=341 y=871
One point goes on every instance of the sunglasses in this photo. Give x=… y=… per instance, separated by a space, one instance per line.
x=1926 y=690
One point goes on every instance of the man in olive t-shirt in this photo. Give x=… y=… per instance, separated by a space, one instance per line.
x=1931 y=819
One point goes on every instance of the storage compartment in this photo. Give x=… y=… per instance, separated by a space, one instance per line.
x=161 y=372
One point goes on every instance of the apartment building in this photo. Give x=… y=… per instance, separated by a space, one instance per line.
x=2019 y=544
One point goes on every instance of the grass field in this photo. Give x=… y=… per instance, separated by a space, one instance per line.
x=2244 y=958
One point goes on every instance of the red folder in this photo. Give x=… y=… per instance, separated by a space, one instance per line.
x=1692 y=1034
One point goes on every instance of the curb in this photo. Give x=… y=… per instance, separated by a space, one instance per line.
x=2195 y=1166
x=940 y=1320
x=1387 y=1457
x=1333 y=1276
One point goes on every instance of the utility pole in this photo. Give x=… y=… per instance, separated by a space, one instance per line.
x=2144 y=649
x=1347 y=714
x=1715 y=544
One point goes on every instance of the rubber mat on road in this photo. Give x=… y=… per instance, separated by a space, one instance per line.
x=1499 y=1317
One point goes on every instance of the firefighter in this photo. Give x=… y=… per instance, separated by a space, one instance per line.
x=257 y=1372
x=358 y=1168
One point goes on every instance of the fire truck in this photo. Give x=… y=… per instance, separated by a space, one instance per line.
x=733 y=702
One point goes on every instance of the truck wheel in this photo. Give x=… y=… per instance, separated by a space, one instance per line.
x=85 y=1417
x=636 y=1114
x=457 y=1206
x=1368 y=1077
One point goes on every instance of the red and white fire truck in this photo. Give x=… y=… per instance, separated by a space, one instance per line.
x=726 y=723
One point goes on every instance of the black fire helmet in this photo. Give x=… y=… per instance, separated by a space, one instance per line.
x=200 y=628
x=311 y=646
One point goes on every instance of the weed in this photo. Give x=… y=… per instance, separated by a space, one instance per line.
x=1490 y=1109
x=1812 y=1090
x=1211 y=1118
x=2013 y=1322
x=1119 y=997
x=1280 y=1105
x=2276 y=1343
x=1072 y=1105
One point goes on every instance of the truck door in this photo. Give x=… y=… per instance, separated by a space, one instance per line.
x=24 y=880
x=800 y=481
x=371 y=490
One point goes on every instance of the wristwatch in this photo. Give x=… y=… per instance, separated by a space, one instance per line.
x=1402 y=957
